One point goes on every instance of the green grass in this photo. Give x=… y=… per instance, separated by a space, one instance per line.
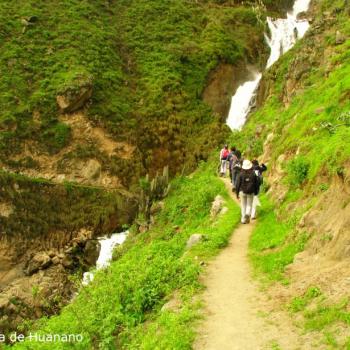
x=310 y=132
x=64 y=208
x=148 y=61
x=274 y=242
x=121 y=308
x=319 y=314
x=311 y=129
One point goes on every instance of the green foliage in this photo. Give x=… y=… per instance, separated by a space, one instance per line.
x=299 y=303
x=55 y=208
x=120 y=309
x=57 y=136
x=297 y=169
x=319 y=314
x=148 y=62
x=274 y=244
x=321 y=99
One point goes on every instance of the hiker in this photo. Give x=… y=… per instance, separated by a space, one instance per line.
x=230 y=159
x=223 y=160
x=259 y=169
x=236 y=166
x=238 y=154
x=247 y=187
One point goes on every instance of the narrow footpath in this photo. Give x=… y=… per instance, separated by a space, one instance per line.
x=237 y=315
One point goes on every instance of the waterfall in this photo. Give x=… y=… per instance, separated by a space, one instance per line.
x=243 y=101
x=284 y=34
x=106 y=252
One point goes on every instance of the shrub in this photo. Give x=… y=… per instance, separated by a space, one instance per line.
x=298 y=169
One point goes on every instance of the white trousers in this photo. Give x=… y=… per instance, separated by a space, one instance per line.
x=246 y=205
x=223 y=167
x=256 y=203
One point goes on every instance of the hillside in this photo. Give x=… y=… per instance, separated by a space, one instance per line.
x=139 y=68
x=300 y=129
x=95 y=95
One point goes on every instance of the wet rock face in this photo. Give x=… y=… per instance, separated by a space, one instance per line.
x=91 y=252
x=222 y=85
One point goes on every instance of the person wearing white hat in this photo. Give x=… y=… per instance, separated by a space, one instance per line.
x=247 y=187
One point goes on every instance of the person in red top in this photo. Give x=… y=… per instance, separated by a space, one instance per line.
x=223 y=160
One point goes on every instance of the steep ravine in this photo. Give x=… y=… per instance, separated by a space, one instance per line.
x=40 y=251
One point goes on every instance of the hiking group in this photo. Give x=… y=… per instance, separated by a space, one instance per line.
x=246 y=178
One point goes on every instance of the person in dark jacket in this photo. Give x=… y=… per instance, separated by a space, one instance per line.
x=236 y=166
x=247 y=187
x=238 y=154
x=259 y=169
x=230 y=159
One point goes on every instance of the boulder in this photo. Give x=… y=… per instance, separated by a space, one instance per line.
x=92 y=252
x=216 y=206
x=40 y=261
x=92 y=169
x=6 y=209
x=75 y=95
x=67 y=262
x=55 y=260
x=194 y=240
x=339 y=38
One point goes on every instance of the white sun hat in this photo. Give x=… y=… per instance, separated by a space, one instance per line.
x=247 y=164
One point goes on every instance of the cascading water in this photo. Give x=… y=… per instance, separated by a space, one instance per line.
x=284 y=34
x=243 y=101
x=106 y=252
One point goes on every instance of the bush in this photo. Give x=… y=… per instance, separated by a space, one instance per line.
x=57 y=137
x=298 y=169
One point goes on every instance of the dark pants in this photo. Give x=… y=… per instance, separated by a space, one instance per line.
x=235 y=173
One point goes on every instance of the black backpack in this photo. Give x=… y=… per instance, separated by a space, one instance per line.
x=248 y=181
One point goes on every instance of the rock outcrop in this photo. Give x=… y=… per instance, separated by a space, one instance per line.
x=75 y=96
x=195 y=239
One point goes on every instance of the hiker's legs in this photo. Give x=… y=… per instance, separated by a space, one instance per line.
x=255 y=203
x=249 y=205
x=223 y=167
x=234 y=177
x=243 y=206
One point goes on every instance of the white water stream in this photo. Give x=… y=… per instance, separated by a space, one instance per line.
x=284 y=34
x=106 y=252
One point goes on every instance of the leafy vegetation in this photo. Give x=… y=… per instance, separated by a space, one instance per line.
x=305 y=118
x=148 y=62
x=274 y=242
x=319 y=314
x=297 y=170
x=295 y=119
x=121 y=308
x=58 y=208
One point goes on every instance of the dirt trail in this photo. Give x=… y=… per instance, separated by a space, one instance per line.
x=238 y=315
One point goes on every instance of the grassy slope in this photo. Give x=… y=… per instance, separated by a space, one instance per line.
x=306 y=127
x=121 y=308
x=149 y=61
x=312 y=149
x=64 y=208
